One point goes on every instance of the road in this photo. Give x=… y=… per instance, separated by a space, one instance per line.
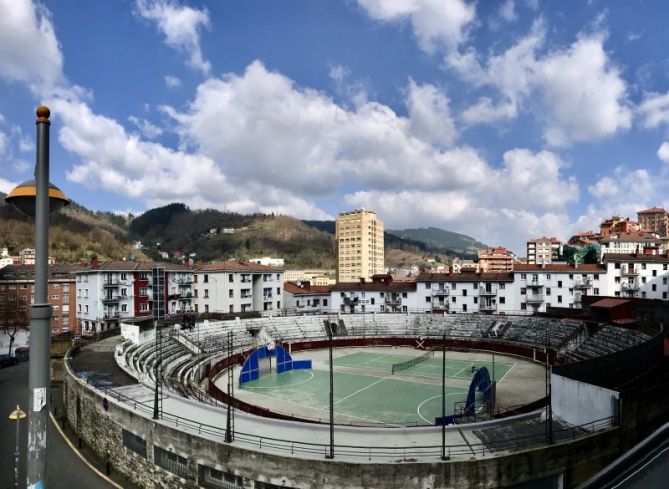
x=65 y=469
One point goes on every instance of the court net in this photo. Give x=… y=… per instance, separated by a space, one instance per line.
x=398 y=367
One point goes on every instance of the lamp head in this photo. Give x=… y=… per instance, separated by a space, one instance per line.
x=24 y=195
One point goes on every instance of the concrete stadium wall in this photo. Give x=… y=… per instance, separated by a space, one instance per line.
x=579 y=403
x=102 y=430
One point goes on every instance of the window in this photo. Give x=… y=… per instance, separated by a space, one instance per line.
x=427 y=299
x=643 y=266
x=86 y=309
x=654 y=287
x=523 y=276
x=559 y=299
x=372 y=301
x=124 y=307
x=476 y=300
x=206 y=308
x=278 y=277
x=501 y=286
x=206 y=293
x=643 y=295
x=325 y=302
x=502 y=300
x=231 y=278
x=464 y=292
x=404 y=295
x=617 y=266
x=85 y=292
x=278 y=291
x=654 y=273
x=124 y=276
x=143 y=275
x=55 y=307
x=144 y=307
x=464 y=307
x=79 y=307
x=231 y=308
x=206 y=278
x=231 y=293
x=143 y=292
x=595 y=291
x=454 y=286
x=548 y=291
x=66 y=297
x=453 y=299
x=66 y=308
x=124 y=292
x=278 y=304
x=523 y=291
x=548 y=276
x=559 y=284
x=195 y=293
x=643 y=280
x=664 y=295
x=427 y=285
x=616 y=280
x=523 y=306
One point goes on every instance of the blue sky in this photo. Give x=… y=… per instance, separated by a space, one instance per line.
x=500 y=119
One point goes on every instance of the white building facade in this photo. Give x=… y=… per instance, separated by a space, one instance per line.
x=238 y=286
x=639 y=276
x=381 y=294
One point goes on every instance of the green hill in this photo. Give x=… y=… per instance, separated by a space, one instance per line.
x=441 y=239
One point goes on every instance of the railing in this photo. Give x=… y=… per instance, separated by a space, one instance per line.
x=487 y=291
x=535 y=298
x=627 y=270
x=111 y=298
x=112 y=315
x=111 y=282
x=535 y=283
x=405 y=453
x=396 y=301
x=267 y=296
x=440 y=291
x=630 y=285
x=583 y=284
x=487 y=307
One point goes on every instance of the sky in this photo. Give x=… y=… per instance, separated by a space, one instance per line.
x=504 y=120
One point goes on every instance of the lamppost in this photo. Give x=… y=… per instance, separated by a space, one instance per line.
x=17 y=415
x=39 y=198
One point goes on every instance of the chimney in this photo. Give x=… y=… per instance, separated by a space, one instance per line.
x=94 y=262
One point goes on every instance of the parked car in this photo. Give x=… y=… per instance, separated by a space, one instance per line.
x=8 y=360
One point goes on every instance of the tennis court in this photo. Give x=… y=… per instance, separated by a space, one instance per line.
x=366 y=391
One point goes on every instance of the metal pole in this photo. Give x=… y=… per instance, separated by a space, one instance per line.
x=331 y=454
x=40 y=315
x=17 y=454
x=156 y=410
x=443 y=398
x=228 y=421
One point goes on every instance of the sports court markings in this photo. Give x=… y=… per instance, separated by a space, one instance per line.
x=360 y=390
x=429 y=399
x=507 y=372
x=278 y=386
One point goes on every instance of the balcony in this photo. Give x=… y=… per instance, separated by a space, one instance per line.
x=247 y=296
x=393 y=301
x=630 y=271
x=632 y=286
x=110 y=299
x=582 y=283
x=267 y=297
x=184 y=282
x=246 y=279
x=174 y=295
x=351 y=301
x=535 y=284
x=535 y=299
x=442 y=291
x=487 y=306
x=487 y=291
x=112 y=315
x=440 y=307
x=112 y=282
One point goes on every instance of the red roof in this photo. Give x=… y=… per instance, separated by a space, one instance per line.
x=609 y=303
x=465 y=277
x=303 y=289
x=237 y=266
x=633 y=257
x=652 y=210
x=560 y=267
x=375 y=286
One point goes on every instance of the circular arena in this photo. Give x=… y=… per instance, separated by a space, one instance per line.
x=418 y=400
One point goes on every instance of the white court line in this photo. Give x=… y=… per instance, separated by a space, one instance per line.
x=279 y=386
x=507 y=373
x=463 y=368
x=360 y=390
x=639 y=469
x=395 y=377
x=429 y=399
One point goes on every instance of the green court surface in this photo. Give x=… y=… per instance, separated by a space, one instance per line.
x=372 y=394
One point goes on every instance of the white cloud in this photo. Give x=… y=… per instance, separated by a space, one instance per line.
x=3 y=143
x=21 y=166
x=435 y=23
x=582 y=94
x=485 y=112
x=148 y=130
x=6 y=186
x=507 y=11
x=26 y=145
x=663 y=152
x=29 y=50
x=429 y=115
x=172 y=81
x=655 y=110
x=181 y=27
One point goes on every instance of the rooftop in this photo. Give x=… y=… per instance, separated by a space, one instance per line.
x=237 y=266
x=560 y=267
x=465 y=277
x=27 y=272
x=305 y=288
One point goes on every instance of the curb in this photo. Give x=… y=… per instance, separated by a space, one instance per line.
x=78 y=454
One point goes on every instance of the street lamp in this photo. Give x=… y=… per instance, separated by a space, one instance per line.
x=38 y=198
x=17 y=415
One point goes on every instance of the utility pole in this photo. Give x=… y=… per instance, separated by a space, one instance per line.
x=443 y=398
x=40 y=315
x=331 y=454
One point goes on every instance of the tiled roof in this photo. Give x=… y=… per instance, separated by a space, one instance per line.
x=544 y=239
x=465 y=277
x=237 y=266
x=652 y=210
x=132 y=266
x=560 y=267
x=609 y=302
x=633 y=257
x=293 y=288
x=27 y=272
x=375 y=286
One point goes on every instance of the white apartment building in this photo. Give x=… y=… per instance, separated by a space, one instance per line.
x=465 y=292
x=107 y=292
x=543 y=250
x=360 y=251
x=627 y=243
x=381 y=294
x=238 y=286
x=303 y=297
x=639 y=276
x=535 y=287
x=268 y=261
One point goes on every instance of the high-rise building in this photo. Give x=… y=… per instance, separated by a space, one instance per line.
x=359 y=236
x=543 y=250
x=655 y=220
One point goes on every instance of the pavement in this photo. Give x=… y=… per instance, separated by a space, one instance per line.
x=65 y=469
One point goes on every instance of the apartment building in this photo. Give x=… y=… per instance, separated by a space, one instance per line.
x=303 y=297
x=460 y=265
x=618 y=224
x=465 y=292
x=108 y=292
x=17 y=293
x=626 y=243
x=535 y=287
x=637 y=275
x=315 y=277
x=380 y=294
x=27 y=257
x=655 y=220
x=543 y=250
x=238 y=286
x=360 y=252
x=496 y=260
